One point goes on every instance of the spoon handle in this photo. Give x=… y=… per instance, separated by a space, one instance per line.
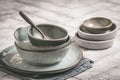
x=27 y=19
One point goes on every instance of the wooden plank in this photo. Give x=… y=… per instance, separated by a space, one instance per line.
x=40 y=11
x=42 y=14
x=47 y=6
x=113 y=74
x=6 y=8
x=116 y=2
x=73 y=79
x=6 y=33
x=66 y=12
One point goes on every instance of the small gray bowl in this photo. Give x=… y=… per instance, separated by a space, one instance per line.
x=110 y=34
x=93 y=44
x=57 y=34
x=22 y=40
x=42 y=57
x=97 y=25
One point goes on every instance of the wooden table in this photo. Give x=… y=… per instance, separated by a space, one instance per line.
x=69 y=14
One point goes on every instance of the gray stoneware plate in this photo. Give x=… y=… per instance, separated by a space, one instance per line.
x=11 y=58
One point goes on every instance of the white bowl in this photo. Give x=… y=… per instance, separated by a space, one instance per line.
x=93 y=44
x=110 y=34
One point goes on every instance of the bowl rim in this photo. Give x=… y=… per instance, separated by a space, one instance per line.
x=99 y=28
x=48 y=48
x=16 y=32
x=91 y=41
x=102 y=34
x=52 y=40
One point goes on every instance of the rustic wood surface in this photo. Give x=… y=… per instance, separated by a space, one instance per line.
x=69 y=14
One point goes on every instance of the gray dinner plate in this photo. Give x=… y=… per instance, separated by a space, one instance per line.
x=11 y=58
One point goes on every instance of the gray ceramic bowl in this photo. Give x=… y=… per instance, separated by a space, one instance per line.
x=110 y=34
x=58 y=35
x=22 y=40
x=97 y=25
x=93 y=44
x=42 y=57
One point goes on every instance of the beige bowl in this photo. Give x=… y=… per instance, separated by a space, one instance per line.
x=97 y=25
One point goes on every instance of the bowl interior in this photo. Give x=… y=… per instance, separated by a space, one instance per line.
x=21 y=34
x=97 y=23
x=52 y=31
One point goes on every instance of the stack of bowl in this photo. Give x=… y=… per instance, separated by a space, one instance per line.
x=37 y=51
x=96 y=33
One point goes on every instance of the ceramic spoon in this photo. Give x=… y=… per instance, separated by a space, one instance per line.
x=28 y=20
